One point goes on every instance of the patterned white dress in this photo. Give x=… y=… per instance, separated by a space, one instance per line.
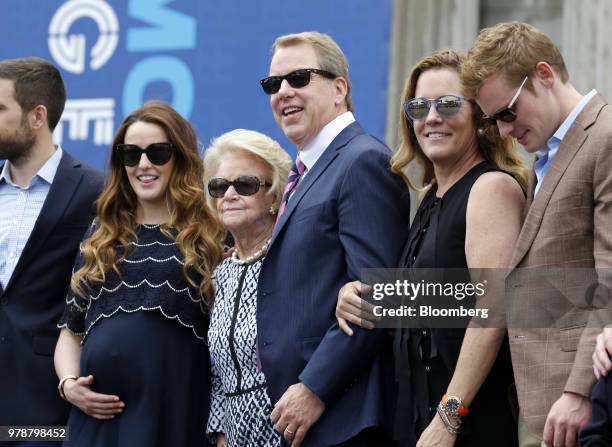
x=240 y=405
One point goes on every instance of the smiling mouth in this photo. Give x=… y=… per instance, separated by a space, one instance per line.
x=522 y=136
x=147 y=178
x=287 y=111
x=436 y=135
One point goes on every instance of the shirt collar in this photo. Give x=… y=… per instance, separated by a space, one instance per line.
x=46 y=172
x=49 y=169
x=313 y=150
x=5 y=177
x=567 y=123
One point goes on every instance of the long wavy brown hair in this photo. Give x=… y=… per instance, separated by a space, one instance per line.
x=501 y=152
x=197 y=232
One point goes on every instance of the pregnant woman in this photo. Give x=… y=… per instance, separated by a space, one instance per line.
x=132 y=355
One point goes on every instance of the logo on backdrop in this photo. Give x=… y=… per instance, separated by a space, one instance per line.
x=150 y=45
x=69 y=50
x=79 y=113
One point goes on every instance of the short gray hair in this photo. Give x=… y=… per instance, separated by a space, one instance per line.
x=329 y=55
x=253 y=143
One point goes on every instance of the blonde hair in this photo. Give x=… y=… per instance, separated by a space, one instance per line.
x=197 y=232
x=501 y=152
x=511 y=49
x=329 y=55
x=257 y=145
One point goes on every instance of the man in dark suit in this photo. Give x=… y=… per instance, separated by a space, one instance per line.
x=342 y=211
x=46 y=204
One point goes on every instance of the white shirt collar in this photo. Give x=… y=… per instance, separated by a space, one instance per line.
x=5 y=175
x=315 y=148
x=46 y=172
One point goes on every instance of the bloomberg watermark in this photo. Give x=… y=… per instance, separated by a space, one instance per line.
x=519 y=298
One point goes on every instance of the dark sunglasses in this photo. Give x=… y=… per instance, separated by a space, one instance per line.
x=508 y=113
x=296 y=79
x=158 y=153
x=244 y=185
x=446 y=106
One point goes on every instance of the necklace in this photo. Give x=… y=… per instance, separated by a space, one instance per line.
x=258 y=254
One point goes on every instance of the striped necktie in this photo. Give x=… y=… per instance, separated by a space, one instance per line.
x=292 y=181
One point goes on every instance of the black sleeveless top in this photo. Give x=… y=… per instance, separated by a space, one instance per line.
x=425 y=359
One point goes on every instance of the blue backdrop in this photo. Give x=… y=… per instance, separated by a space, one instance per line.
x=203 y=56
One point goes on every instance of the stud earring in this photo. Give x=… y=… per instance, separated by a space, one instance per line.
x=272 y=211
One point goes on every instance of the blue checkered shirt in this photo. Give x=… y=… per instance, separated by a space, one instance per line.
x=19 y=209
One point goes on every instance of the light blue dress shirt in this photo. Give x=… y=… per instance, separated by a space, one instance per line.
x=19 y=209
x=546 y=155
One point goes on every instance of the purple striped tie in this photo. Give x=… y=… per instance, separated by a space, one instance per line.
x=292 y=181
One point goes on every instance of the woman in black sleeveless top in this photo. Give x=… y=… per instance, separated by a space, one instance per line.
x=426 y=358
x=470 y=216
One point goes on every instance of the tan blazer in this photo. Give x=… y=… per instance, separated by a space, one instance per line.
x=568 y=224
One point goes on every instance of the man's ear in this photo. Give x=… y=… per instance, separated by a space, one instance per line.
x=37 y=117
x=341 y=90
x=545 y=74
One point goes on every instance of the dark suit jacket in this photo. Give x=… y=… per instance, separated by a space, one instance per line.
x=32 y=303
x=598 y=433
x=350 y=212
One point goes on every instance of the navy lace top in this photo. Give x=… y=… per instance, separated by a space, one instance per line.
x=151 y=279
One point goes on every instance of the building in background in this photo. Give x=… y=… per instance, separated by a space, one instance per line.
x=421 y=27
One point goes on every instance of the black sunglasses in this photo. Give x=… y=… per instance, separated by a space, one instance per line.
x=508 y=113
x=446 y=105
x=244 y=185
x=158 y=153
x=296 y=79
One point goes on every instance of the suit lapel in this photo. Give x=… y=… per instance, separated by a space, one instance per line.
x=571 y=144
x=530 y=191
x=64 y=185
x=319 y=167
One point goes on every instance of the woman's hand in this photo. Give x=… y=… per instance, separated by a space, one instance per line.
x=221 y=440
x=436 y=435
x=601 y=356
x=100 y=406
x=351 y=308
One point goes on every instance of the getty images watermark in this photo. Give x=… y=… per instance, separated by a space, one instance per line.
x=423 y=290
x=520 y=298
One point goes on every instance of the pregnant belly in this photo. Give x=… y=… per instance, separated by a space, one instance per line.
x=130 y=354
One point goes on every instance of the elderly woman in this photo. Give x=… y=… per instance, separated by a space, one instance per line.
x=246 y=173
x=132 y=355
x=469 y=217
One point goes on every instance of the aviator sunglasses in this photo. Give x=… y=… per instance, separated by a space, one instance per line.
x=508 y=113
x=446 y=106
x=158 y=153
x=244 y=185
x=296 y=79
